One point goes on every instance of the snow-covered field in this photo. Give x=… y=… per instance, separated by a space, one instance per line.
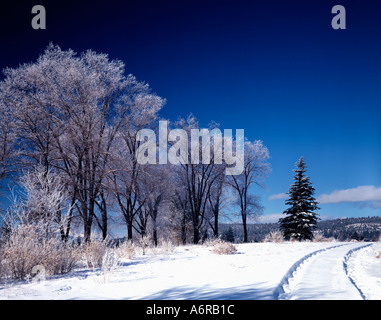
x=287 y=270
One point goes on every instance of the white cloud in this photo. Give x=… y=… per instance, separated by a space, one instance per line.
x=359 y=194
x=270 y=218
x=278 y=196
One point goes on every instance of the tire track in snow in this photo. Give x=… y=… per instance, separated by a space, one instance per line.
x=345 y=265
x=279 y=291
x=321 y=274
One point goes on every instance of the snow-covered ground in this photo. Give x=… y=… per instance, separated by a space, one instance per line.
x=365 y=271
x=256 y=271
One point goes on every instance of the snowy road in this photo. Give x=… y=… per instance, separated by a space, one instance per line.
x=324 y=276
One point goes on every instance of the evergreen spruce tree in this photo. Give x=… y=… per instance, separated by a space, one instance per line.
x=300 y=217
x=229 y=235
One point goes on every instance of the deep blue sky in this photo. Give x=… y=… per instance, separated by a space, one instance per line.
x=274 y=68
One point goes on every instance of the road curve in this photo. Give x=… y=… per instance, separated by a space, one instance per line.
x=322 y=276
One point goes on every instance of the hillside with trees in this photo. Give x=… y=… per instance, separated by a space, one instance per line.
x=346 y=229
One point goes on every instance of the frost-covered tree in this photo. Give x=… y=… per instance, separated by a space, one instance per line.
x=180 y=218
x=216 y=199
x=256 y=169
x=158 y=186
x=198 y=178
x=300 y=217
x=45 y=201
x=129 y=182
x=7 y=144
x=67 y=110
x=41 y=200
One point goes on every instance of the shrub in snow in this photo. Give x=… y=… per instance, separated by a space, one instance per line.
x=211 y=241
x=144 y=243
x=222 y=247
x=22 y=252
x=110 y=262
x=93 y=252
x=166 y=246
x=274 y=236
x=127 y=250
x=318 y=236
x=26 y=249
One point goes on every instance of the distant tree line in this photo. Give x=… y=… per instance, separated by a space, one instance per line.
x=346 y=229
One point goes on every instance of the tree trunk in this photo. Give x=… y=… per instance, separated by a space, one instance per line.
x=244 y=229
x=154 y=233
x=129 y=231
x=104 y=218
x=104 y=228
x=216 y=224
x=87 y=232
x=196 y=235
x=155 y=237
x=184 y=229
